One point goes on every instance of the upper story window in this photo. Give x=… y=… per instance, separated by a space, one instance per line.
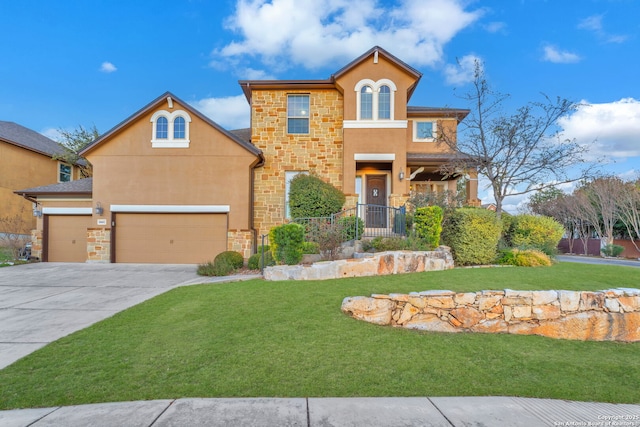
x=424 y=131
x=64 y=172
x=375 y=100
x=298 y=113
x=170 y=129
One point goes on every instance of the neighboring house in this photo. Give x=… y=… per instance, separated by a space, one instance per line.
x=26 y=161
x=171 y=186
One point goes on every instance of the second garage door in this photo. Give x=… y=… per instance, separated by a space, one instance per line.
x=169 y=238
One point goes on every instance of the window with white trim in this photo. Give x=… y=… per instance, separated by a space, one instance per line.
x=170 y=129
x=65 y=172
x=288 y=176
x=375 y=100
x=298 y=114
x=424 y=130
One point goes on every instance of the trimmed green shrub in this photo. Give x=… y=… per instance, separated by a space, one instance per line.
x=473 y=235
x=286 y=243
x=535 y=231
x=310 y=197
x=234 y=259
x=525 y=258
x=612 y=250
x=428 y=224
x=255 y=260
x=348 y=226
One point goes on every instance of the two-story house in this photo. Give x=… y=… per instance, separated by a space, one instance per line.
x=171 y=186
x=26 y=161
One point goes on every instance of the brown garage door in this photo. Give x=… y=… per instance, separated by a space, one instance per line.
x=169 y=238
x=67 y=238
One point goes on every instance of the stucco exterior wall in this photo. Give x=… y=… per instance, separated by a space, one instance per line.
x=213 y=170
x=20 y=169
x=319 y=152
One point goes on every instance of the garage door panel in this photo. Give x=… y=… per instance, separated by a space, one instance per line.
x=67 y=238
x=178 y=238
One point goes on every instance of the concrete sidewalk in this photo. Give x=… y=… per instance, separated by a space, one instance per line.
x=325 y=412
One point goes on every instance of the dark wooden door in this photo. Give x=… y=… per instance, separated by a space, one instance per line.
x=376 y=195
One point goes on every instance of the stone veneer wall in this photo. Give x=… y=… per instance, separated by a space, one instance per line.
x=36 y=244
x=319 y=152
x=381 y=263
x=98 y=244
x=611 y=315
x=240 y=241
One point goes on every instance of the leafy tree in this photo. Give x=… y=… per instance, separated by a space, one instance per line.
x=518 y=153
x=74 y=141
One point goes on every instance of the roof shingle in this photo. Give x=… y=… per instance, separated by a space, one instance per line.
x=20 y=136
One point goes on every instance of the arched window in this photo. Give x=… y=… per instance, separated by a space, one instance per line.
x=178 y=128
x=170 y=129
x=366 y=103
x=384 y=102
x=162 y=128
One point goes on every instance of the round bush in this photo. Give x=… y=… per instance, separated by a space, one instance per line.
x=473 y=235
x=234 y=259
x=428 y=224
x=310 y=197
x=286 y=243
x=534 y=231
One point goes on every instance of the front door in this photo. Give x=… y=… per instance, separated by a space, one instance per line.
x=377 y=196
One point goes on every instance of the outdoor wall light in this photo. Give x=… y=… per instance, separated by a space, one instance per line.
x=401 y=175
x=99 y=209
x=37 y=213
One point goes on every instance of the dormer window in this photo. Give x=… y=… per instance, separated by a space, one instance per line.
x=375 y=100
x=170 y=129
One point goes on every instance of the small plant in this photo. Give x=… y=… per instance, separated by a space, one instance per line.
x=329 y=240
x=255 y=260
x=524 y=258
x=286 y=243
x=310 y=248
x=612 y=250
x=352 y=227
x=382 y=244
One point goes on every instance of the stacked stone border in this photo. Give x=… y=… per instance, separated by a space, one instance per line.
x=608 y=315
x=381 y=263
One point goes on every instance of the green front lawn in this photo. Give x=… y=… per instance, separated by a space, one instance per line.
x=289 y=339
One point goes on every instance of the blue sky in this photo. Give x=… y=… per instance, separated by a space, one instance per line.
x=68 y=63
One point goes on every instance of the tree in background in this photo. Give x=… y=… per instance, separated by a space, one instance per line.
x=518 y=153
x=74 y=141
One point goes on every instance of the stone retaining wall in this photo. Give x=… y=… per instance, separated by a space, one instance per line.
x=611 y=315
x=381 y=263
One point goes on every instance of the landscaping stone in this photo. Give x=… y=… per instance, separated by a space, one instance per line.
x=392 y=262
x=610 y=315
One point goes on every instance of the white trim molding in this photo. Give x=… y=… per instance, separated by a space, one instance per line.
x=171 y=208
x=67 y=211
x=374 y=124
x=374 y=157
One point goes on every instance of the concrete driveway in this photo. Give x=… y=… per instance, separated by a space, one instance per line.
x=42 y=302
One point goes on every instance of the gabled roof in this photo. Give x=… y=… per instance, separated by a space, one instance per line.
x=330 y=83
x=152 y=105
x=78 y=187
x=28 y=139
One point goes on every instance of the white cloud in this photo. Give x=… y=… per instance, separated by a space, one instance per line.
x=52 y=133
x=614 y=126
x=553 y=54
x=462 y=72
x=108 y=67
x=496 y=27
x=594 y=24
x=230 y=112
x=283 y=35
